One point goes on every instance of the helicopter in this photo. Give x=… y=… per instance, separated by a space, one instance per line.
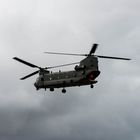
x=85 y=73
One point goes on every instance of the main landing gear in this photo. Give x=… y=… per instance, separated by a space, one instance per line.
x=91 y=86
x=51 y=89
x=63 y=90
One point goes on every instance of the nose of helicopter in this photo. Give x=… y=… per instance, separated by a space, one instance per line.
x=35 y=84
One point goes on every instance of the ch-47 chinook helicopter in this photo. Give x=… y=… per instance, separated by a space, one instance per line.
x=83 y=74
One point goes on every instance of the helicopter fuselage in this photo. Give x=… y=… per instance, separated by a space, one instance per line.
x=66 y=79
x=84 y=74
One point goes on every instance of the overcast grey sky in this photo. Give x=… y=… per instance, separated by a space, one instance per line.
x=110 y=111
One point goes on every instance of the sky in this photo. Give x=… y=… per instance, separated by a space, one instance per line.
x=110 y=110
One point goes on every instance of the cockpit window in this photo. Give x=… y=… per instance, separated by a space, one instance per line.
x=37 y=80
x=42 y=79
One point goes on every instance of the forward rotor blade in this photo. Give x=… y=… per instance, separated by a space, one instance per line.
x=62 y=65
x=93 y=49
x=29 y=75
x=26 y=63
x=66 y=54
x=110 y=57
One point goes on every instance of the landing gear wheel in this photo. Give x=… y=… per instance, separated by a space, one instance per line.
x=63 y=90
x=91 y=86
x=37 y=88
x=51 y=89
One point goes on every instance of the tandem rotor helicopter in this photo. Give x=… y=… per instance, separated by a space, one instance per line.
x=83 y=74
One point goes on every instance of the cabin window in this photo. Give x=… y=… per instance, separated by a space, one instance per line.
x=71 y=81
x=42 y=79
x=74 y=75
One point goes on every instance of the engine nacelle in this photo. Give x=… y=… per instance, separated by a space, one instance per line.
x=79 y=68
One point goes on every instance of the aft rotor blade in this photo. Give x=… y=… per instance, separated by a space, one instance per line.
x=29 y=75
x=26 y=63
x=110 y=57
x=62 y=65
x=66 y=54
x=93 y=49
